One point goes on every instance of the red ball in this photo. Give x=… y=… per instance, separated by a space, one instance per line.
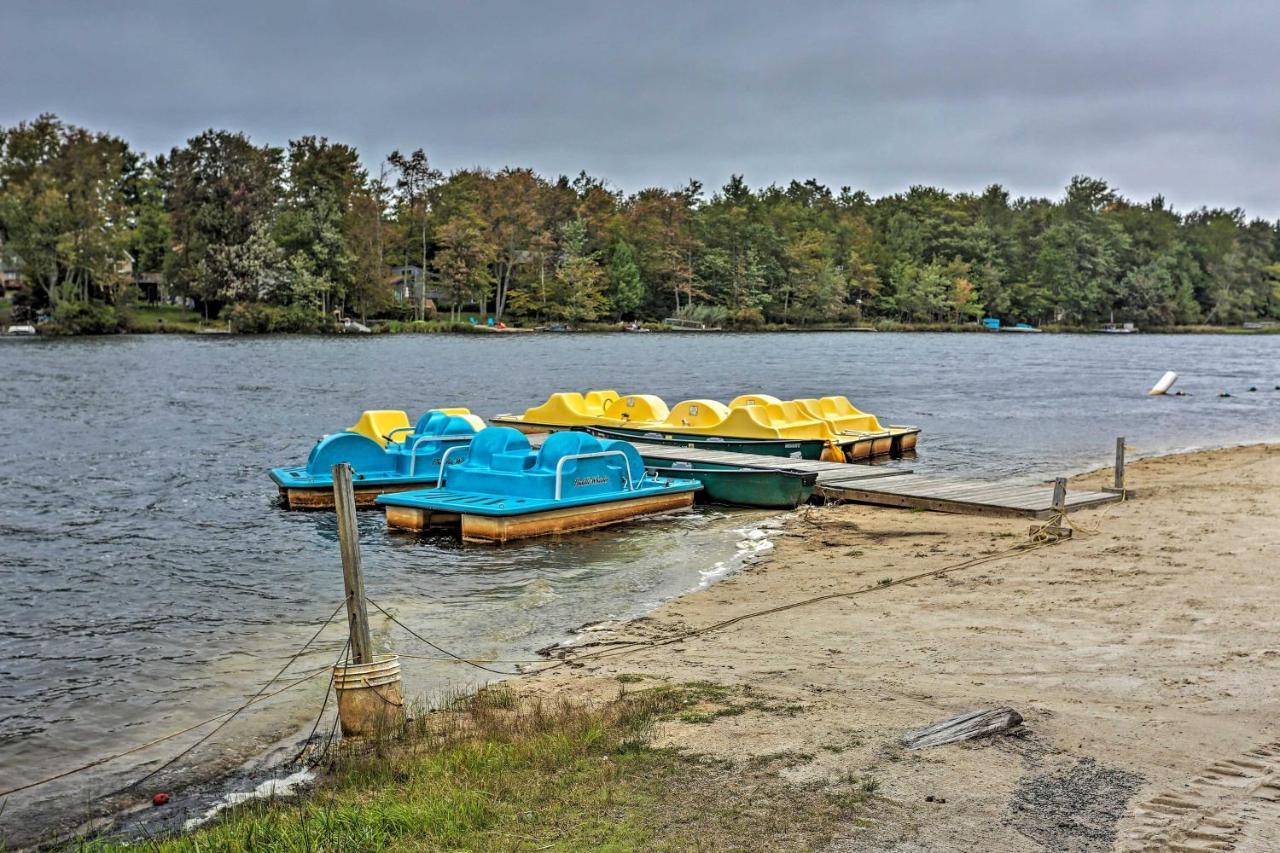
x=160 y=799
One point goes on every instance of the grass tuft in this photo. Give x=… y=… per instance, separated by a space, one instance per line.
x=500 y=771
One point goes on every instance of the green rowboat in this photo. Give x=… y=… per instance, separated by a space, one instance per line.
x=787 y=448
x=725 y=484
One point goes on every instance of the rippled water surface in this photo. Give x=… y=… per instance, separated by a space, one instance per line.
x=150 y=581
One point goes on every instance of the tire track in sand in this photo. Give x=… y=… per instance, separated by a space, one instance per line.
x=1234 y=804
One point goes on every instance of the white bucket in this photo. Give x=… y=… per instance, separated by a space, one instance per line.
x=370 y=699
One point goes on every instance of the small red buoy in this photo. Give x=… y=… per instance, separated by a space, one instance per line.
x=160 y=799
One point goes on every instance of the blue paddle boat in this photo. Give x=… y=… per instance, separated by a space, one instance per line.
x=411 y=458
x=507 y=490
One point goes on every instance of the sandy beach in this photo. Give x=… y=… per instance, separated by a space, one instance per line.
x=1143 y=655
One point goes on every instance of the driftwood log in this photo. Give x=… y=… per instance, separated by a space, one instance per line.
x=967 y=726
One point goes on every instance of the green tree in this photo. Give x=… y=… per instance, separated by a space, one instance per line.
x=311 y=228
x=416 y=180
x=464 y=262
x=626 y=291
x=64 y=211
x=222 y=193
x=364 y=234
x=151 y=239
x=578 y=291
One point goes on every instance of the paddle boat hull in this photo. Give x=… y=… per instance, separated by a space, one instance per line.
x=754 y=487
x=316 y=497
x=904 y=439
x=506 y=490
x=473 y=527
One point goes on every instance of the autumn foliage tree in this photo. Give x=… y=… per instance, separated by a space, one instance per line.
x=312 y=228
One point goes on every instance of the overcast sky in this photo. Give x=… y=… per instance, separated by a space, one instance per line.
x=1176 y=98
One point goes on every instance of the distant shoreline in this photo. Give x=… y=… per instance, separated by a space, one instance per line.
x=221 y=331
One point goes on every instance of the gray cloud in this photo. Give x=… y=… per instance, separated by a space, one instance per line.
x=1178 y=98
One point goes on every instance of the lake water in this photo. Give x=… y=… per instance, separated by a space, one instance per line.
x=151 y=581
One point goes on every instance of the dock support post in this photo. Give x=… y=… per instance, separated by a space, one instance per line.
x=1060 y=496
x=344 y=501
x=1118 y=487
x=1120 y=465
x=1054 y=527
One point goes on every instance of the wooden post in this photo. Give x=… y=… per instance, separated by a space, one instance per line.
x=1054 y=528
x=1120 y=464
x=1060 y=495
x=344 y=501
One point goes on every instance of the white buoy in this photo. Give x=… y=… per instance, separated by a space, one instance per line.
x=1165 y=383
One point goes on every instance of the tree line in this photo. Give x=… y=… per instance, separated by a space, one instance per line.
x=283 y=237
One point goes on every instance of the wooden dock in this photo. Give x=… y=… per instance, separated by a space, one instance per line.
x=890 y=485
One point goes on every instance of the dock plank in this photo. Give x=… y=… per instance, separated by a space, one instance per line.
x=894 y=486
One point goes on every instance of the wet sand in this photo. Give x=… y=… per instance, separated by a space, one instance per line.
x=1144 y=655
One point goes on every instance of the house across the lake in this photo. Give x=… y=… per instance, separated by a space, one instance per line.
x=407 y=283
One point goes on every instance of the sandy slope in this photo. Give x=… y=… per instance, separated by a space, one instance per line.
x=1140 y=656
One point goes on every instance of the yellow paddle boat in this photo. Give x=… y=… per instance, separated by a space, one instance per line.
x=904 y=437
x=860 y=434
x=829 y=427
x=570 y=410
x=641 y=417
x=854 y=447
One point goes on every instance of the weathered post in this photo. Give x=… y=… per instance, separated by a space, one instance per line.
x=1054 y=528
x=1120 y=465
x=1060 y=496
x=370 y=696
x=344 y=501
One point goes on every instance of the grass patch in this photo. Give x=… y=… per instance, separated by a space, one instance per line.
x=501 y=772
x=706 y=702
x=629 y=678
x=163 y=318
x=838 y=748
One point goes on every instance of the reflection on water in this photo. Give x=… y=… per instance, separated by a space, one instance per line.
x=151 y=581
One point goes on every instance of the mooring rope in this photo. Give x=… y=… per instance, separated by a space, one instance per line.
x=306 y=744
x=158 y=740
x=236 y=713
x=450 y=655
x=260 y=696
x=636 y=645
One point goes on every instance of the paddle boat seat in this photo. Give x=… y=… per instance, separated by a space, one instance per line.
x=570 y=409
x=636 y=408
x=841 y=405
x=824 y=410
x=413 y=462
x=502 y=462
x=437 y=423
x=784 y=415
x=752 y=400
x=377 y=424
x=904 y=437
x=507 y=490
x=785 y=420
x=598 y=402
x=696 y=415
